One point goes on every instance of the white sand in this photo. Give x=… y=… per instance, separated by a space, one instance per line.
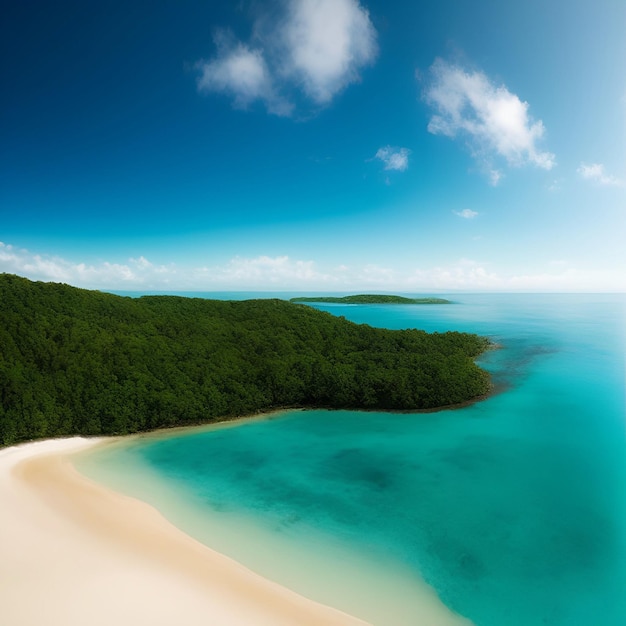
x=73 y=553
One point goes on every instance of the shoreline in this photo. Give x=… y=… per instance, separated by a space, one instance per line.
x=91 y=555
x=322 y=567
x=495 y=389
x=275 y=411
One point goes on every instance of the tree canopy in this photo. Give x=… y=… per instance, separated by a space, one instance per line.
x=74 y=361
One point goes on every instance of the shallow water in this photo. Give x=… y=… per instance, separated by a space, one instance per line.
x=512 y=509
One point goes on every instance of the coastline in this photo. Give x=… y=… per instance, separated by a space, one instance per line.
x=90 y=554
x=318 y=566
x=86 y=554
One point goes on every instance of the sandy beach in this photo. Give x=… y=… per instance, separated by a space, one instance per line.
x=73 y=553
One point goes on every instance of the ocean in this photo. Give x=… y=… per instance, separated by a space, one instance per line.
x=510 y=512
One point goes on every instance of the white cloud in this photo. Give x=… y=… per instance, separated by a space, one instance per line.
x=241 y=72
x=494 y=121
x=569 y=279
x=467 y=214
x=140 y=274
x=316 y=46
x=326 y=42
x=470 y=275
x=134 y=273
x=394 y=158
x=495 y=176
x=595 y=172
x=281 y=273
x=142 y=263
x=464 y=274
x=374 y=275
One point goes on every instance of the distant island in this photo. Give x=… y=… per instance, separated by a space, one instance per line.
x=371 y=299
x=74 y=361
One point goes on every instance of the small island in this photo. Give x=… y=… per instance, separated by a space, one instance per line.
x=370 y=299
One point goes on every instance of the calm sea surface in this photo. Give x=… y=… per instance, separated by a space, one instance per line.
x=513 y=510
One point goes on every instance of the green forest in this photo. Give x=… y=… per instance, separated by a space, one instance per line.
x=367 y=298
x=74 y=361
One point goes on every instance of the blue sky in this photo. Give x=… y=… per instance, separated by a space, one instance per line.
x=315 y=145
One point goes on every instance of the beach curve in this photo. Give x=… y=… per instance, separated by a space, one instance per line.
x=74 y=552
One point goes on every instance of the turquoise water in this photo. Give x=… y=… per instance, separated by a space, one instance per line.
x=513 y=509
